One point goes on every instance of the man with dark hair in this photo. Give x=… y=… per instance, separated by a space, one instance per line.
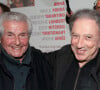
x=77 y=66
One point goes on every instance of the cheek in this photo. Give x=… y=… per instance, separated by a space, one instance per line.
x=92 y=47
x=5 y=42
x=74 y=41
x=24 y=41
x=92 y=44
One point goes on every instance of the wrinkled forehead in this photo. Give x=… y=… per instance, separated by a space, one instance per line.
x=15 y=25
x=85 y=25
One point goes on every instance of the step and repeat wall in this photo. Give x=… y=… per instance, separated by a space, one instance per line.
x=50 y=30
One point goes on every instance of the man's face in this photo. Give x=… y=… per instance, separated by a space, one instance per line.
x=15 y=38
x=85 y=39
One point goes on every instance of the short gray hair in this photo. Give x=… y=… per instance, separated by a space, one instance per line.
x=85 y=13
x=14 y=16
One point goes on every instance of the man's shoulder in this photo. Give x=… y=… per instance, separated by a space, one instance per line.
x=65 y=49
x=35 y=50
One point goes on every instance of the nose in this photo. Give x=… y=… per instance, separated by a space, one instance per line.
x=80 y=42
x=17 y=40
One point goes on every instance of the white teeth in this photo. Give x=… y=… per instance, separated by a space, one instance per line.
x=16 y=48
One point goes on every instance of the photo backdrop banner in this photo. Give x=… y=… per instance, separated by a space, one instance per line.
x=50 y=30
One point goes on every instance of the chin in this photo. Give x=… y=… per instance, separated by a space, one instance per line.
x=80 y=58
x=17 y=56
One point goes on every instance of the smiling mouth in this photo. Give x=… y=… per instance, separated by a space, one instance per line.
x=16 y=48
x=79 y=51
